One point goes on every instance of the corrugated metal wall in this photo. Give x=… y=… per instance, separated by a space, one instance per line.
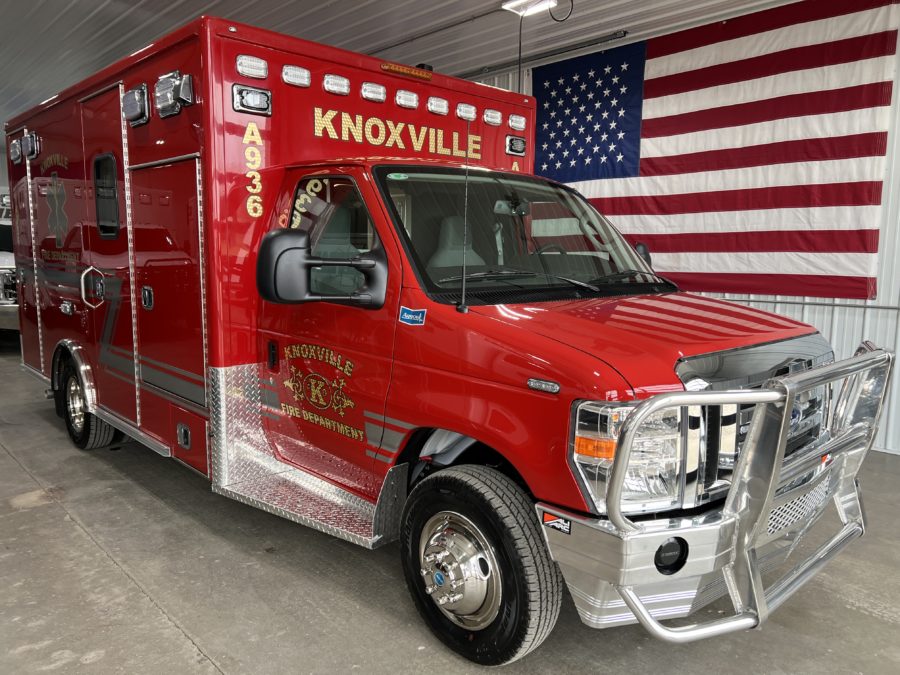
x=844 y=322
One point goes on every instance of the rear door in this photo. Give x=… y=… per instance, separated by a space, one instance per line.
x=106 y=282
x=330 y=364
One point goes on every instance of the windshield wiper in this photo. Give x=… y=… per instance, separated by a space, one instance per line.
x=512 y=272
x=488 y=274
x=625 y=274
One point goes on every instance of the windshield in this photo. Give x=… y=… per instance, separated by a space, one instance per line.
x=519 y=236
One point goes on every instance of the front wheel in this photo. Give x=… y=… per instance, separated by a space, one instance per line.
x=476 y=564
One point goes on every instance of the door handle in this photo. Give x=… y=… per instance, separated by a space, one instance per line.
x=147 y=297
x=83 y=287
x=67 y=308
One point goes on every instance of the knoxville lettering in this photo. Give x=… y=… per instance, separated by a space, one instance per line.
x=320 y=353
x=343 y=126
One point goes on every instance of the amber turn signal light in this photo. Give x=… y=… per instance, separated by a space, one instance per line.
x=599 y=448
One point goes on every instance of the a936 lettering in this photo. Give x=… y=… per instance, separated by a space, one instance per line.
x=253 y=158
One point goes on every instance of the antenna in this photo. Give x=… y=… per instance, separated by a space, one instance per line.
x=461 y=307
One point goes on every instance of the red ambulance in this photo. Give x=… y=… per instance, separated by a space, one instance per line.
x=330 y=284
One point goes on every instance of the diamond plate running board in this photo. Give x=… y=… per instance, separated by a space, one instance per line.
x=244 y=467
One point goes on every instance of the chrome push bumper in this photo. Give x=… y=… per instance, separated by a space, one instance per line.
x=773 y=502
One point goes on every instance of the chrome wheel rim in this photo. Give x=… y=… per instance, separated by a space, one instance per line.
x=460 y=570
x=75 y=404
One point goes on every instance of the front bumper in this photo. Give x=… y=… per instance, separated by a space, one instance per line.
x=771 y=506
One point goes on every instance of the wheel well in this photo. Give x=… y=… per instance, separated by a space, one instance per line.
x=478 y=453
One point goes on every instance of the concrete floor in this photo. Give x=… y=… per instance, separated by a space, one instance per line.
x=120 y=561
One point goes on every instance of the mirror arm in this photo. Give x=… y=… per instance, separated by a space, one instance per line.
x=355 y=263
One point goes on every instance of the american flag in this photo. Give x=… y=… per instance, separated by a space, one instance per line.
x=749 y=155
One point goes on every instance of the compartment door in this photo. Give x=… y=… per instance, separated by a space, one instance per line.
x=169 y=280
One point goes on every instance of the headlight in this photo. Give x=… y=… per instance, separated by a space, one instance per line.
x=654 y=477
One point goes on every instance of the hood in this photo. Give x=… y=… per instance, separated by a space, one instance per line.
x=643 y=337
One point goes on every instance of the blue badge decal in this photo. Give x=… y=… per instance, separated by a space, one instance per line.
x=412 y=317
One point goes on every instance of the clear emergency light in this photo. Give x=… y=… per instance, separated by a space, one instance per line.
x=517 y=122
x=31 y=145
x=296 y=76
x=374 y=92
x=466 y=111
x=251 y=100
x=493 y=117
x=135 y=106
x=407 y=99
x=335 y=84
x=438 y=106
x=173 y=90
x=15 y=151
x=252 y=66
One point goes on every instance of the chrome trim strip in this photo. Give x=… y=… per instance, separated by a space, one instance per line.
x=34 y=260
x=201 y=247
x=176 y=399
x=161 y=162
x=129 y=229
x=130 y=430
x=102 y=91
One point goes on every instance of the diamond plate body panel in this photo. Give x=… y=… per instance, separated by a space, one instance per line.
x=244 y=467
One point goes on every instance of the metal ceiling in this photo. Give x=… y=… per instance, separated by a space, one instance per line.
x=47 y=45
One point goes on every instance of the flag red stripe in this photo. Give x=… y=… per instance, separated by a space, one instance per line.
x=786 y=61
x=780 y=107
x=872 y=144
x=802 y=241
x=860 y=193
x=824 y=286
x=759 y=22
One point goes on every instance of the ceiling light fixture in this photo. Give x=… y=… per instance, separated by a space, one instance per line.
x=527 y=7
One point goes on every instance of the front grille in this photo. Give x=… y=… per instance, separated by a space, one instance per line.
x=798 y=509
x=8 y=293
x=716 y=434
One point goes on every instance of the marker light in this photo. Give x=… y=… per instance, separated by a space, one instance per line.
x=517 y=122
x=135 y=106
x=252 y=66
x=15 y=151
x=493 y=117
x=407 y=99
x=374 y=92
x=438 y=106
x=336 y=84
x=465 y=111
x=296 y=76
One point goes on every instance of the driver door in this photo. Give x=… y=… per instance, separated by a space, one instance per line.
x=329 y=363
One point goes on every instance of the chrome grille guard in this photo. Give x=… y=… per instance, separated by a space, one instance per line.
x=760 y=471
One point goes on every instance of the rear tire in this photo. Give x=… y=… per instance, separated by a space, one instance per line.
x=86 y=430
x=476 y=564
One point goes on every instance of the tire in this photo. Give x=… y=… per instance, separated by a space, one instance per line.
x=86 y=430
x=494 y=555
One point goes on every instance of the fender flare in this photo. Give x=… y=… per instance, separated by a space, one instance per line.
x=445 y=445
x=79 y=357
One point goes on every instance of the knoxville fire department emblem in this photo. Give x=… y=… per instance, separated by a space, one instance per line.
x=56 y=200
x=318 y=391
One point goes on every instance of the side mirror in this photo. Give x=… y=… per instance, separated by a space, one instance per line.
x=285 y=263
x=644 y=252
